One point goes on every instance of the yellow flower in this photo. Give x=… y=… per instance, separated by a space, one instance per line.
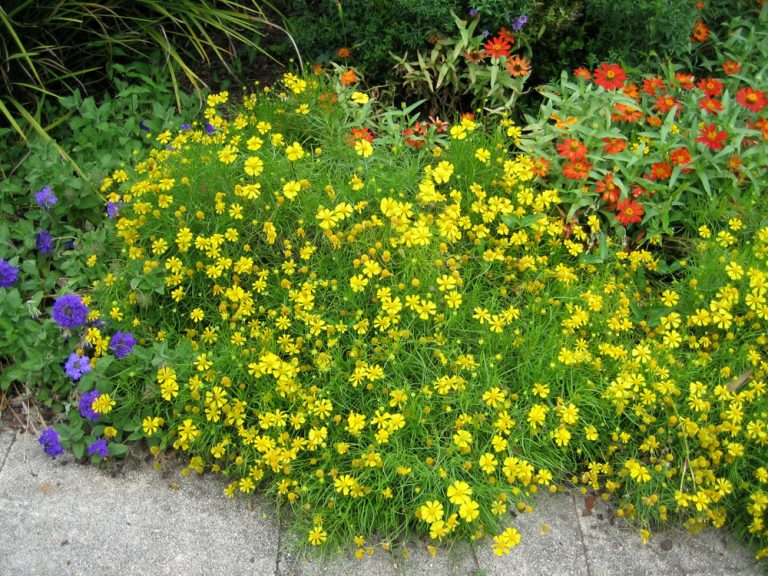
x=432 y=511
x=317 y=536
x=103 y=404
x=197 y=315
x=152 y=424
x=294 y=152
x=363 y=148
x=459 y=492
x=254 y=166
x=360 y=98
x=469 y=510
x=483 y=155
x=488 y=463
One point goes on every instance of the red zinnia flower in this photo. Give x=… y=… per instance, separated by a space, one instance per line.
x=751 y=99
x=730 y=67
x=681 y=157
x=710 y=86
x=712 y=138
x=610 y=76
x=572 y=149
x=652 y=85
x=578 y=170
x=614 y=145
x=497 y=47
x=582 y=73
x=630 y=211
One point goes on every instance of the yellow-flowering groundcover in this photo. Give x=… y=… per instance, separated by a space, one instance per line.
x=393 y=339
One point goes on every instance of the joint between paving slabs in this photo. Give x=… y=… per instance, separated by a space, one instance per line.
x=7 y=451
x=575 y=509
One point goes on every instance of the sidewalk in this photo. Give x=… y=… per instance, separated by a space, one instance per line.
x=60 y=518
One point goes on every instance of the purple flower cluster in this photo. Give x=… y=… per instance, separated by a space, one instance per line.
x=99 y=448
x=45 y=198
x=69 y=311
x=49 y=440
x=113 y=208
x=122 y=343
x=209 y=129
x=76 y=366
x=44 y=242
x=86 y=406
x=8 y=274
x=519 y=22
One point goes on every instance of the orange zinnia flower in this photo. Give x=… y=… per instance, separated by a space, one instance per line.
x=344 y=53
x=578 y=170
x=517 y=66
x=624 y=113
x=730 y=67
x=680 y=156
x=582 y=73
x=614 y=145
x=700 y=32
x=572 y=150
x=348 y=77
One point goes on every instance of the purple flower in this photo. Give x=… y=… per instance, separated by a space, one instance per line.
x=49 y=440
x=122 y=343
x=474 y=12
x=113 y=208
x=45 y=198
x=99 y=448
x=76 y=366
x=44 y=242
x=8 y=274
x=186 y=126
x=209 y=128
x=86 y=406
x=69 y=311
x=519 y=22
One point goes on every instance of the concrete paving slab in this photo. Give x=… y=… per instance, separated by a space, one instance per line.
x=7 y=438
x=413 y=559
x=614 y=547
x=57 y=517
x=378 y=564
x=550 y=542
